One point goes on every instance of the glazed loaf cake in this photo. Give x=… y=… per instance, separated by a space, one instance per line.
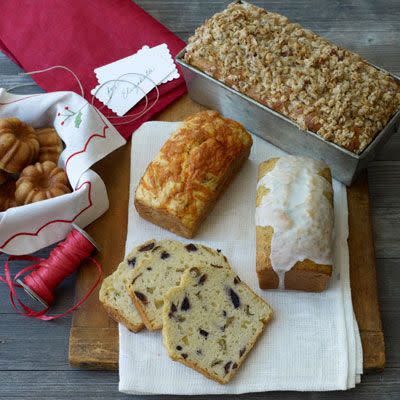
x=182 y=184
x=294 y=224
x=321 y=87
x=212 y=321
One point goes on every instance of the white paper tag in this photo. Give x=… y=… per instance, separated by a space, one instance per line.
x=137 y=75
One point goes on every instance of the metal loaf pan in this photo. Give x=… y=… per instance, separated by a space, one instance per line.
x=278 y=129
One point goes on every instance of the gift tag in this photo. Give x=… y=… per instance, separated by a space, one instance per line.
x=123 y=83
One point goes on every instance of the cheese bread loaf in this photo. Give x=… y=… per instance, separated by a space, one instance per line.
x=294 y=224
x=154 y=276
x=182 y=184
x=113 y=294
x=212 y=320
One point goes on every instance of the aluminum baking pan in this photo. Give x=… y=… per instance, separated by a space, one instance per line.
x=278 y=129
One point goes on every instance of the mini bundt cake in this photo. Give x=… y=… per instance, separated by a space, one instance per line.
x=3 y=177
x=19 y=145
x=50 y=145
x=40 y=182
x=7 y=195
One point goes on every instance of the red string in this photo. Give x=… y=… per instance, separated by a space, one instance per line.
x=47 y=274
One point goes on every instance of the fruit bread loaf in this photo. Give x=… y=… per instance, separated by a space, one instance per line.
x=113 y=294
x=182 y=184
x=318 y=85
x=153 y=277
x=294 y=224
x=212 y=320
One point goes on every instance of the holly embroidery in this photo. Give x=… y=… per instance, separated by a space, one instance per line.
x=68 y=114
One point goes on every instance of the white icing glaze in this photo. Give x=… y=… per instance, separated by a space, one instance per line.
x=298 y=211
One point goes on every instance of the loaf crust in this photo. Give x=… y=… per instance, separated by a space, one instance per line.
x=182 y=184
x=323 y=88
x=305 y=275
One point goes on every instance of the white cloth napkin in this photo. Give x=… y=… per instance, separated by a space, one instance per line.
x=312 y=344
x=88 y=137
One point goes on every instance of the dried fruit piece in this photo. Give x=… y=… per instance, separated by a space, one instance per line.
x=142 y=297
x=227 y=366
x=132 y=262
x=202 y=279
x=242 y=351
x=191 y=247
x=147 y=247
x=236 y=280
x=234 y=298
x=203 y=332
x=164 y=255
x=185 y=304
x=172 y=310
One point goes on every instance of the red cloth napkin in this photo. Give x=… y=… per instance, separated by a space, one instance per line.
x=83 y=35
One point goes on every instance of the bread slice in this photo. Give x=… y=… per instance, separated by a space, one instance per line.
x=113 y=294
x=212 y=320
x=150 y=280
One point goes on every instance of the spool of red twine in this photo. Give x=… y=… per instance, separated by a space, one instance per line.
x=47 y=274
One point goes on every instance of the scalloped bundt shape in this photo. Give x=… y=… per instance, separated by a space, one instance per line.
x=40 y=182
x=19 y=145
x=50 y=145
x=3 y=177
x=7 y=195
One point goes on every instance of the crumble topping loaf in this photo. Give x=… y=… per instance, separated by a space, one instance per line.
x=212 y=321
x=113 y=294
x=154 y=276
x=194 y=166
x=321 y=87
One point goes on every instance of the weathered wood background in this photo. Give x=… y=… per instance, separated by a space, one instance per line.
x=33 y=354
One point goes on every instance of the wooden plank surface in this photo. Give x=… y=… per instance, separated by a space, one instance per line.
x=371 y=27
x=94 y=337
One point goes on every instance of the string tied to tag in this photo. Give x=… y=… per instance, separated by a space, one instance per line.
x=124 y=119
x=41 y=279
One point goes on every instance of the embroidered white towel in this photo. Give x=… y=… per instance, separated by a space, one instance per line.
x=312 y=344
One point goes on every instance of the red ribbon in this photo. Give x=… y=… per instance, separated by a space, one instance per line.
x=48 y=273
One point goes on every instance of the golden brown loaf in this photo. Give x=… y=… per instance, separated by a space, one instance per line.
x=320 y=86
x=183 y=182
x=40 y=182
x=304 y=215
x=50 y=145
x=19 y=146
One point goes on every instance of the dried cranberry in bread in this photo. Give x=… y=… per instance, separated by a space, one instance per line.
x=212 y=320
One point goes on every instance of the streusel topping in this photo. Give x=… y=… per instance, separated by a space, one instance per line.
x=320 y=86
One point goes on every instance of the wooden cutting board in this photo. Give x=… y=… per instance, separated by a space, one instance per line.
x=94 y=336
